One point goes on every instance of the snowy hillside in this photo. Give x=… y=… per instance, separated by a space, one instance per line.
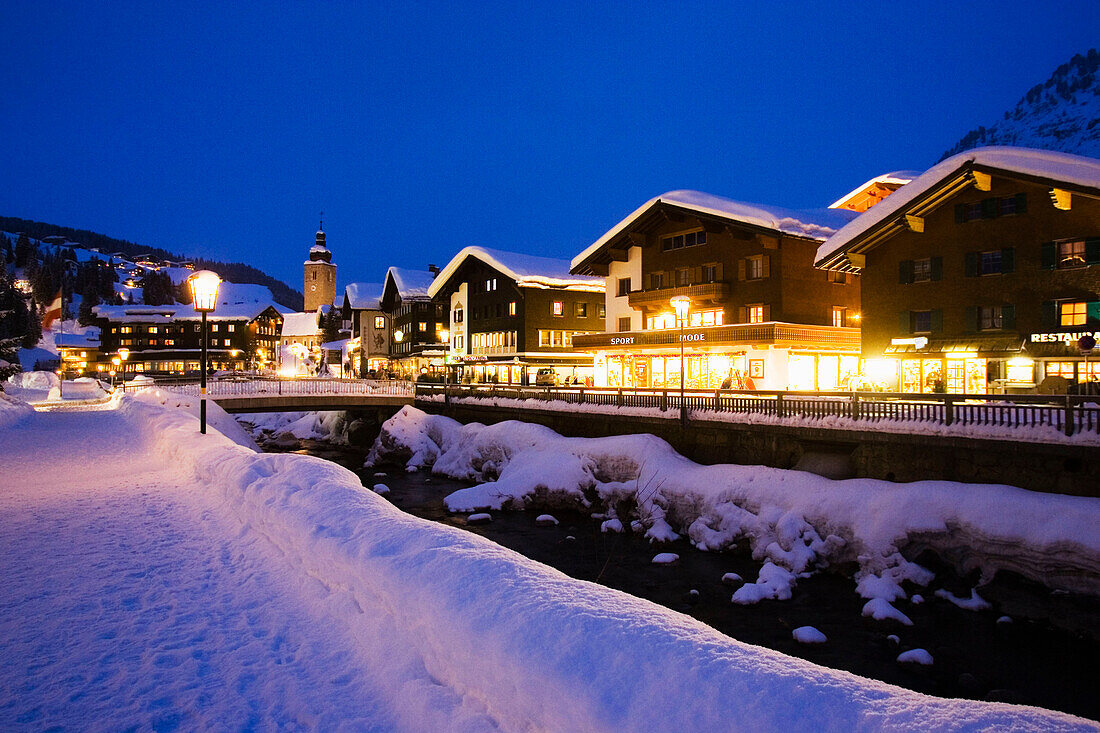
x=1061 y=114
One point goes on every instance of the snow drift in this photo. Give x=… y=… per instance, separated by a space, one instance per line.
x=794 y=521
x=531 y=647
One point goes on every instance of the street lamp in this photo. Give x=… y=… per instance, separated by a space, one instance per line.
x=682 y=304
x=204 y=297
x=117 y=361
x=445 y=339
x=398 y=336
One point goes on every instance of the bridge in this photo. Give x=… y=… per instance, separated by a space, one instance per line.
x=273 y=394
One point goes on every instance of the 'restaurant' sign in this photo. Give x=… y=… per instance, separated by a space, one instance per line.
x=1068 y=338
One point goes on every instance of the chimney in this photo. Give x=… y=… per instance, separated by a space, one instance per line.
x=434 y=269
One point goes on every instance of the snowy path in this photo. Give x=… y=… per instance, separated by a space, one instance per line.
x=131 y=600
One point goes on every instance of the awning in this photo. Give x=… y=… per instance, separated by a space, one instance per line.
x=996 y=346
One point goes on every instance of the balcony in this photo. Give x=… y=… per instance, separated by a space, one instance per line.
x=702 y=293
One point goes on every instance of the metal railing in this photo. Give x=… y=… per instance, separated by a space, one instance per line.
x=1070 y=414
x=272 y=386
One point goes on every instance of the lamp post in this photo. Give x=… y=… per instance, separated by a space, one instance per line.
x=682 y=303
x=398 y=336
x=445 y=339
x=116 y=361
x=204 y=297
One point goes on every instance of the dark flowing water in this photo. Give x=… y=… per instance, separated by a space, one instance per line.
x=1031 y=661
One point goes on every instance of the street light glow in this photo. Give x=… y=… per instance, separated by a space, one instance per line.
x=204 y=286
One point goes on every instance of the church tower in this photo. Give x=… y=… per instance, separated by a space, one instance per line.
x=320 y=277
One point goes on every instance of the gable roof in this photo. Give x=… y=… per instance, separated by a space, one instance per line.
x=410 y=284
x=939 y=183
x=895 y=178
x=525 y=270
x=363 y=296
x=306 y=323
x=814 y=224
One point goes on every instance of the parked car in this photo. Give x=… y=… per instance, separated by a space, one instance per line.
x=546 y=377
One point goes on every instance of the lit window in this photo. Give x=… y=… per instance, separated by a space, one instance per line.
x=1072 y=314
x=707 y=318
x=840 y=316
x=756 y=313
x=231 y=327
x=1071 y=254
x=153 y=329
x=544 y=338
x=213 y=327
x=557 y=308
x=662 y=321
x=169 y=342
x=512 y=308
x=422 y=326
x=601 y=310
x=379 y=322
x=580 y=310
x=555 y=338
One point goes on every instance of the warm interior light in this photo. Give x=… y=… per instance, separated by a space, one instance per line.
x=444 y=335
x=881 y=370
x=204 y=290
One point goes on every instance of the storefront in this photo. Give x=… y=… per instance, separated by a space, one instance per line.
x=1013 y=365
x=475 y=369
x=772 y=356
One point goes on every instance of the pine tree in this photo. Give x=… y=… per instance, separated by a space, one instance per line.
x=14 y=325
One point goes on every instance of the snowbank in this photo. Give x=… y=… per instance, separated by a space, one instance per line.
x=797 y=522
x=322 y=425
x=531 y=647
x=12 y=410
x=216 y=418
x=31 y=386
x=82 y=388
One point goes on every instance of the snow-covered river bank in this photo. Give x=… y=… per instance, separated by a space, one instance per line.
x=213 y=586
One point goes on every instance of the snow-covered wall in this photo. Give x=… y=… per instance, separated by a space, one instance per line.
x=532 y=648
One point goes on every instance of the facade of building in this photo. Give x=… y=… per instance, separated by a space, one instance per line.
x=980 y=275
x=418 y=323
x=166 y=340
x=760 y=315
x=368 y=350
x=511 y=315
x=300 y=342
x=320 y=276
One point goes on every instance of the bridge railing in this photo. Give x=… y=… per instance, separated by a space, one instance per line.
x=1068 y=413
x=255 y=386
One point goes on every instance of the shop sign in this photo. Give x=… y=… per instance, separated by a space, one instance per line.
x=622 y=340
x=693 y=337
x=1067 y=338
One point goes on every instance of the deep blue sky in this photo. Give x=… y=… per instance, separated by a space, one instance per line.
x=420 y=128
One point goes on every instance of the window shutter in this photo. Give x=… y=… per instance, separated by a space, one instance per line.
x=1008 y=317
x=989 y=208
x=742 y=314
x=1021 y=203
x=1048 y=255
x=972 y=266
x=1092 y=313
x=766 y=269
x=1008 y=259
x=767 y=313
x=718 y=272
x=1049 y=314
x=937 y=320
x=1092 y=251
x=905 y=272
x=937 y=268
x=740 y=269
x=960 y=213
x=696 y=275
x=905 y=322
x=971 y=319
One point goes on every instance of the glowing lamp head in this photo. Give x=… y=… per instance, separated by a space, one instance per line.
x=444 y=335
x=682 y=304
x=204 y=290
x=124 y=354
x=398 y=335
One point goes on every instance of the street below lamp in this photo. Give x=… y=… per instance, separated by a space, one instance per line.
x=682 y=304
x=204 y=298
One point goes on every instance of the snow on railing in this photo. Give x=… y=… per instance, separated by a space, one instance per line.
x=273 y=386
x=1070 y=414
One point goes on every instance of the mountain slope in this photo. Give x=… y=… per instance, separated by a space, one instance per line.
x=236 y=272
x=1061 y=114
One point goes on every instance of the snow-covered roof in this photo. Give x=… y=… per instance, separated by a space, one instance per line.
x=411 y=284
x=815 y=224
x=363 y=296
x=89 y=339
x=1062 y=169
x=147 y=313
x=899 y=178
x=301 y=324
x=529 y=270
